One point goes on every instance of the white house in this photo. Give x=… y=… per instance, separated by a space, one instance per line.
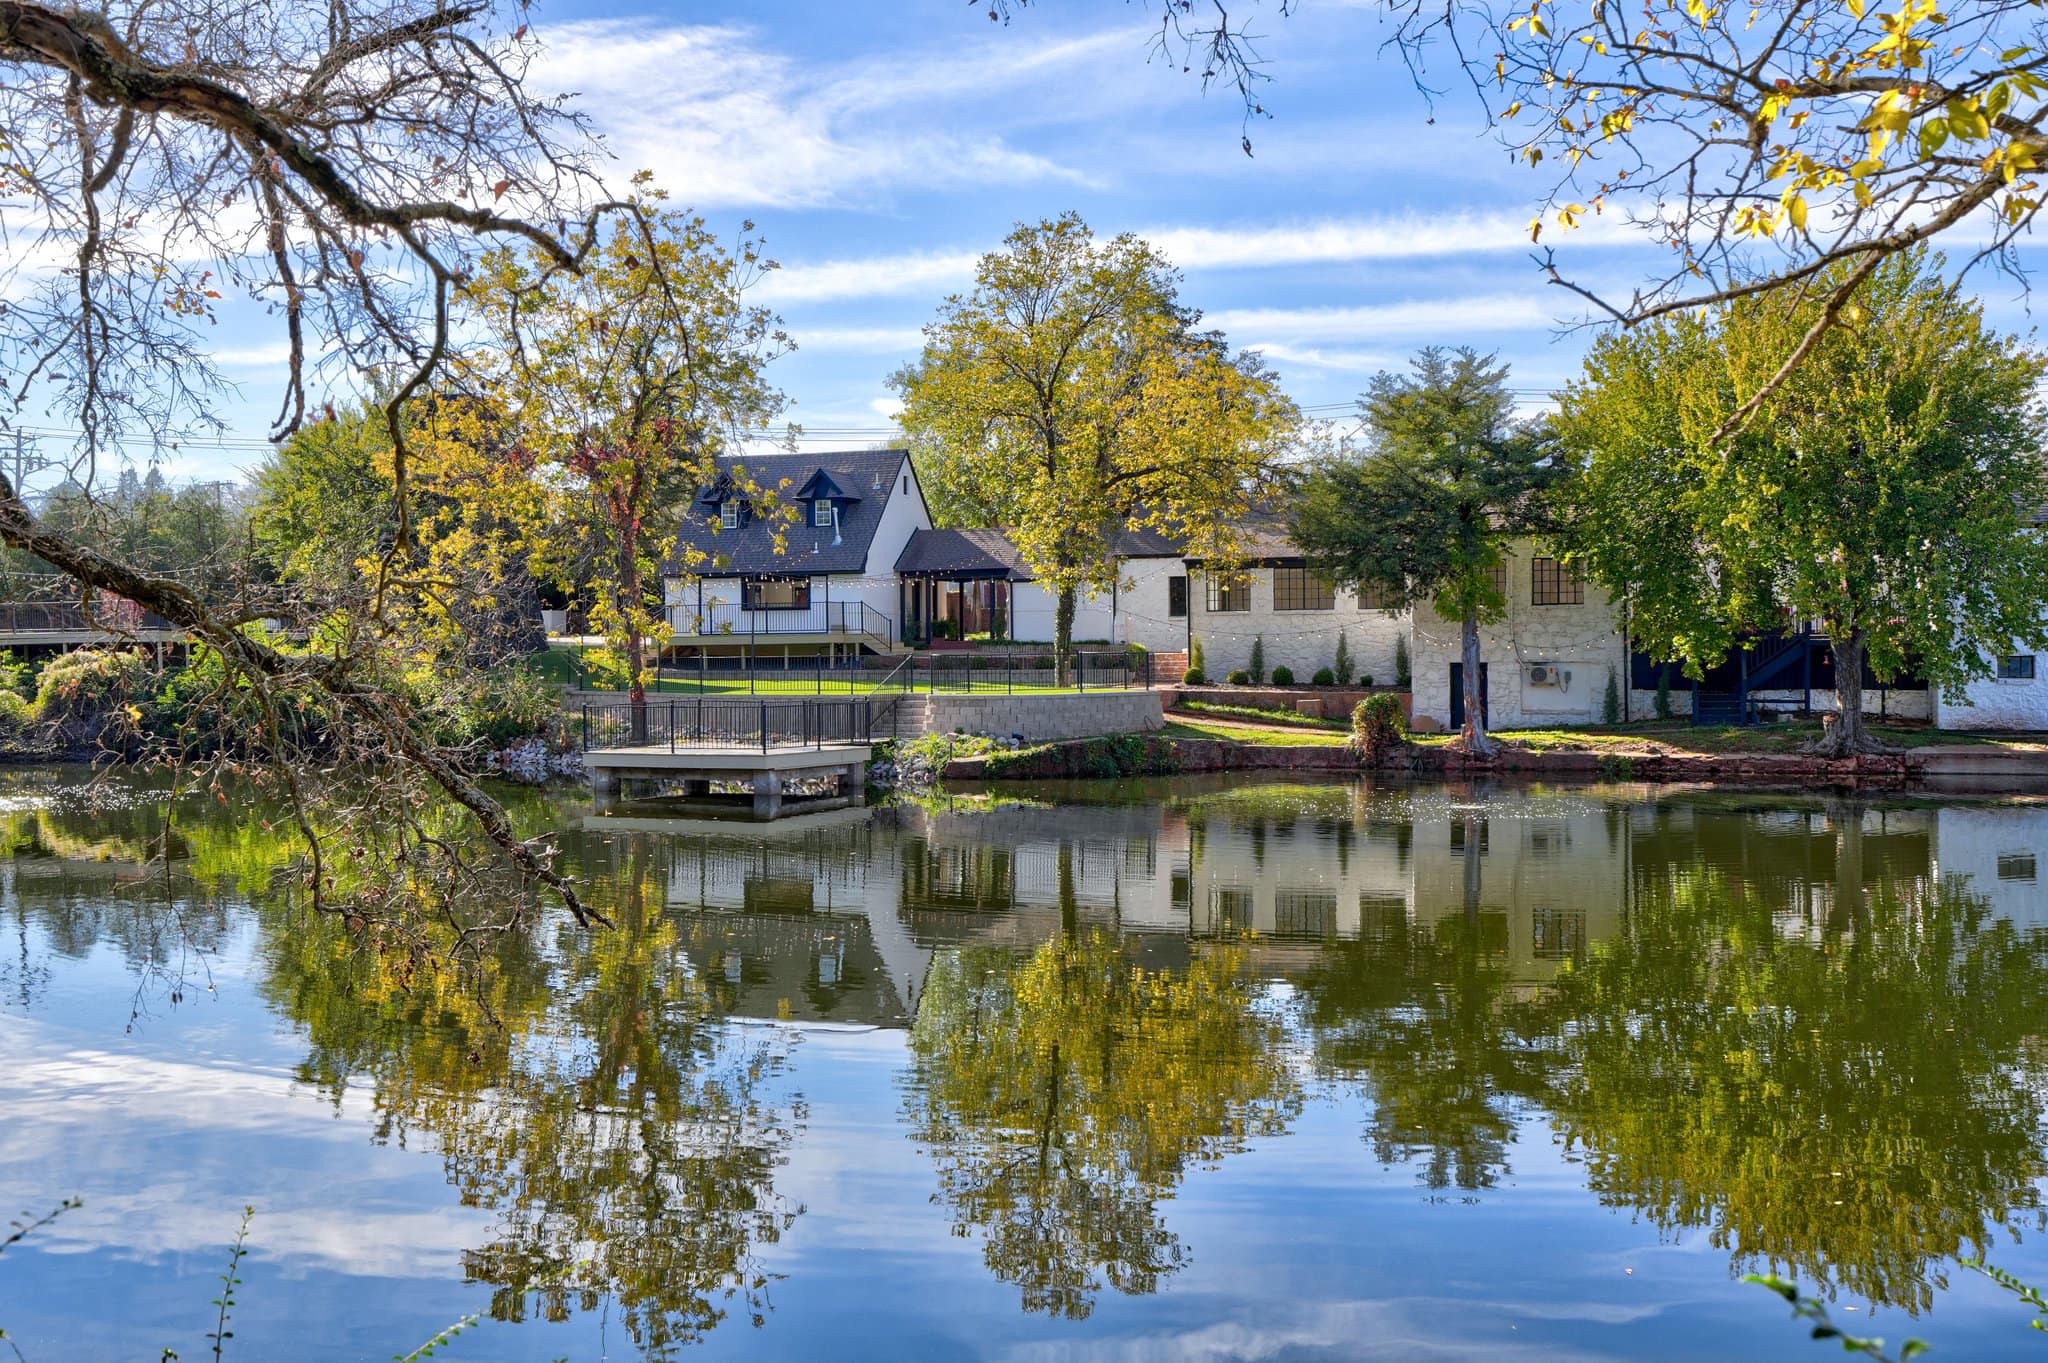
x=1274 y=599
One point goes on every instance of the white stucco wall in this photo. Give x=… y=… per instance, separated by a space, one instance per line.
x=1304 y=641
x=1032 y=608
x=1582 y=640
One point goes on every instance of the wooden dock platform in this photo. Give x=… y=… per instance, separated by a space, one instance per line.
x=785 y=756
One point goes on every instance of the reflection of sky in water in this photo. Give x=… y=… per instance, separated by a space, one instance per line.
x=168 y=1118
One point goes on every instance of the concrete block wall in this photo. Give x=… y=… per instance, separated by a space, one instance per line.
x=1046 y=718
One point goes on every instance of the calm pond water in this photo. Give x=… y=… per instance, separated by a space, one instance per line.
x=1172 y=1070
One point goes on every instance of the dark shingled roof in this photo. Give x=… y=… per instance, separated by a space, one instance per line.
x=870 y=476
x=968 y=553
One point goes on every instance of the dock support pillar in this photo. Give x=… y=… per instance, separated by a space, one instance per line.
x=604 y=782
x=767 y=794
x=853 y=782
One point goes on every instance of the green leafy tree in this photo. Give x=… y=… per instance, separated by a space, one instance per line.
x=1886 y=493
x=602 y=405
x=1426 y=511
x=323 y=501
x=1070 y=395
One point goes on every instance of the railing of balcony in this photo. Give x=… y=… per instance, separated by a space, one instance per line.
x=724 y=619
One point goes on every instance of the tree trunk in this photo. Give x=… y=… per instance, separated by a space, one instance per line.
x=1063 y=632
x=630 y=604
x=1848 y=735
x=1472 y=737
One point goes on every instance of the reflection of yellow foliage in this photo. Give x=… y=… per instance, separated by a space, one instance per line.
x=1062 y=1094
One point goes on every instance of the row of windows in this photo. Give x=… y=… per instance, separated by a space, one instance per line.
x=1302 y=589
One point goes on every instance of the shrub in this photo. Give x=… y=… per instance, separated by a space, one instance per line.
x=1258 y=663
x=1664 y=691
x=1283 y=675
x=1365 y=680
x=1377 y=724
x=91 y=684
x=1239 y=677
x=1401 y=677
x=17 y=716
x=493 y=710
x=1324 y=677
x=17 y=676
x=1610 y=704
x=1341 y=672
x=1193 y=677
x=1195 y=661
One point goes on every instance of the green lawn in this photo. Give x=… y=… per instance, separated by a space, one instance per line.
x=1257 y=715
x=1259 y=735
x=1680 y=736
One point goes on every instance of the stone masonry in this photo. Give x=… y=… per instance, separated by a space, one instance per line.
x=1044 y=718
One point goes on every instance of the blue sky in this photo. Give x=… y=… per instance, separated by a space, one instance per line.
x=880 y=147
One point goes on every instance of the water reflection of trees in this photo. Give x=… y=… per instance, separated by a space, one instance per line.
x=1064 y=1092
x=1834 y=1072
x=579 y=1088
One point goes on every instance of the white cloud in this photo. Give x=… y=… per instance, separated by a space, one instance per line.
x=722 y=119
x=1350 y=361
x=858 y=338
x=834 y=279
x=887 y=408
x=1264 y=328
x=1325 y=241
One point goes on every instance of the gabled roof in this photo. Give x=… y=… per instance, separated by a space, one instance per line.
x=963 y=553
x=865 y=481
x=822 y=485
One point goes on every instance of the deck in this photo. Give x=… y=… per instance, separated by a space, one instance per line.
x=787 y=756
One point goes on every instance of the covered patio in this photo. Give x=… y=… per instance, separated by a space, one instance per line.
x=958 y=584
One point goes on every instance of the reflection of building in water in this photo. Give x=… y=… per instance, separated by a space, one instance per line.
x=2002 y=851
x=838 y=922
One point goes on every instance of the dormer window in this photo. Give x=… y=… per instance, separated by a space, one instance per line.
x=729 y=514
x=821 y=514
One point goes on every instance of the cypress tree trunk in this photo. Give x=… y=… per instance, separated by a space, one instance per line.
x=1473 y=736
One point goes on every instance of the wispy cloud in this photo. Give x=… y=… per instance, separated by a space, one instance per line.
x=1264 y=328
x=858 y=338
x=724 y=120
x=1324 y=241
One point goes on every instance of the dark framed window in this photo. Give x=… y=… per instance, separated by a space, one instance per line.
x=1232 y=909
x=2016 y=866
x=1499 y=573
x=1374 y=597
x=1299 y=589
x=821 y=513
x=1305 y=913
x=775 y=593
x=1227 y=598
x=1177 y=596
x=2016 y=667
x=1553 y=584
x=729 y=514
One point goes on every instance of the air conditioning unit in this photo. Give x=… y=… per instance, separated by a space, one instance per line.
x=1545 y=674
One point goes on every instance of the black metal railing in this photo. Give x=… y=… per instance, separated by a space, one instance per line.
x=726 y=620
x=979 y=670
x=713 y=722
x=986 y=670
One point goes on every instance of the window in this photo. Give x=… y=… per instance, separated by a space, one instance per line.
x=729 y=515
x=1499 y=573
x=1553 y=584
x=821 y=513
x=1228 y=598
x=2016 y=667
x=1177 y=597
x=1231 y=910
x=1373 y=597
x=1298 y=589
x=906 y=485
x=1305 y=913
x=2016 y=866
x=775 y=594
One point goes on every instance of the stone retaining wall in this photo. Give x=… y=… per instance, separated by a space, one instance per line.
x=1045 y=718
x=1337 y=701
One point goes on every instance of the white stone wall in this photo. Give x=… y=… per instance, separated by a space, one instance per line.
x=1140 y=607
x=1582 y=640
x=1994 y=704
x=1305 y=641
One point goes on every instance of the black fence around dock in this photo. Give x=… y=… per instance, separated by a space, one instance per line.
x=764 y=723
